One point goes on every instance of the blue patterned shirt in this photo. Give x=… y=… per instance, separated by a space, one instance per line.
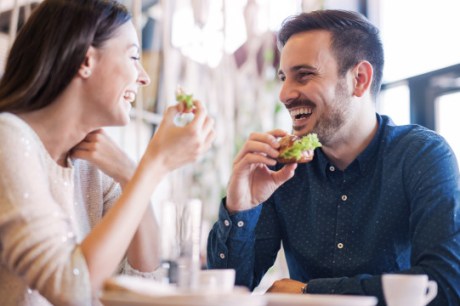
x=394 y=209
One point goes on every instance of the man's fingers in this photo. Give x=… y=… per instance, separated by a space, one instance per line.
x=270 y=137
x=260 y=148
x=284 y=174
x=278 y=133
x=255 y=158
x=265 y=143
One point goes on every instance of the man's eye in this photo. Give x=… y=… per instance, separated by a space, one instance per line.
x=136 y=58
x=282 y=78
x=304 y=74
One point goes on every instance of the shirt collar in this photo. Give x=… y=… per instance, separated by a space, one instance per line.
x=322 y=161
x=368 y=157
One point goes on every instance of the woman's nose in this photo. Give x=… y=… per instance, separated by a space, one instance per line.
x=143 y=78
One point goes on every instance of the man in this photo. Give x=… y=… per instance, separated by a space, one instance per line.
x=377 y=198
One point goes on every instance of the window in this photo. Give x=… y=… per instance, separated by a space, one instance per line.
x=421 y=51
x=418 y=36
x=395 y=103
x=447 y=108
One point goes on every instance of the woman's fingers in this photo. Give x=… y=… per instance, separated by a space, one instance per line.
x=209 y=140
x=208 y=126
x=200 y=114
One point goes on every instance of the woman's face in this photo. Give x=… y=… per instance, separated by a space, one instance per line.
x=115 y=78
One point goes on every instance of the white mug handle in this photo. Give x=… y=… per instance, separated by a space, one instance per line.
x=432 y=291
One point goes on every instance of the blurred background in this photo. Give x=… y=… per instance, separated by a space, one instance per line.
x=224 y=52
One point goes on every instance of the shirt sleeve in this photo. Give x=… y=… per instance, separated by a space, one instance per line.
x=36 y=237
x=431 y=180
x=233 y=243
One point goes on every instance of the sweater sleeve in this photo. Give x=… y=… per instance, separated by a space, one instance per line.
x=37 y=242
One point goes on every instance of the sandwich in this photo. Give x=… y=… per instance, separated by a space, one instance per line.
x=185 y=99
x=297 y=149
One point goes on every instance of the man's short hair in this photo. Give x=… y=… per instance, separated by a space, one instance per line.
x=354 y=39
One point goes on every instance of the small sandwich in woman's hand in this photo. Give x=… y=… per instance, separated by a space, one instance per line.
x=186 y=107
x=186 y=100
x=296 y=149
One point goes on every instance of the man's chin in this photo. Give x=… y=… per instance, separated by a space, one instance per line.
x=300 y=130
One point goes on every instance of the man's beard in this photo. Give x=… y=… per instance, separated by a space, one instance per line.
x=335 y=114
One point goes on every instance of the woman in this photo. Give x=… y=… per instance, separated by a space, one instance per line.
x=73 y=69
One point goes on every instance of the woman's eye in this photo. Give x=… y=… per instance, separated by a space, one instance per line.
x=136 y=58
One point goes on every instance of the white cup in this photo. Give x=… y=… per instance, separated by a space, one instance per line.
x=217 y=280
x=405 y=289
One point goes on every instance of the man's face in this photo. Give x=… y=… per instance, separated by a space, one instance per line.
x=317 y=99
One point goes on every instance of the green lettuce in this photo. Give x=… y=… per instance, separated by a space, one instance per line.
x=306 y=143
x=185 y=98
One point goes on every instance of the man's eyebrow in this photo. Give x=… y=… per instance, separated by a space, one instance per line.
x=297 y=68
x=304 y=66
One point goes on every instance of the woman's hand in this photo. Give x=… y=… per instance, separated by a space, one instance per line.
x=176 y=146
x=99 y=149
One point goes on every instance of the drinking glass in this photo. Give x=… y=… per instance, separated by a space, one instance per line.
x=181 y=243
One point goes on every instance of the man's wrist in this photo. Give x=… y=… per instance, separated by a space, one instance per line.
x=229 y=211
x=304 y=289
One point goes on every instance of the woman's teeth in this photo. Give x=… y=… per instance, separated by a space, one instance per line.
x=130 y=96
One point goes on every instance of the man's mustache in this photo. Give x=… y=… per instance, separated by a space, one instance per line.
x=294 y=103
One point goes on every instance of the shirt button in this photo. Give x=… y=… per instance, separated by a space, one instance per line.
x=226 y=223
x=240 y=223
x=340 y=245
x=222 y=256
x=344 y=198
x=332 y=168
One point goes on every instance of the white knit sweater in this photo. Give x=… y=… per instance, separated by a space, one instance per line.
x=45 y=212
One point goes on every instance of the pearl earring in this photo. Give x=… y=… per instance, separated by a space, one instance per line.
x=86 y=73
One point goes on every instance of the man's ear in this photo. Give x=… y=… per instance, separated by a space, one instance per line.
x=363 y=74
x=86 y=68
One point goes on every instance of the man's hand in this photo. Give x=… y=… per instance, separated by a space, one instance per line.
x=252 y=182
x=286 y=285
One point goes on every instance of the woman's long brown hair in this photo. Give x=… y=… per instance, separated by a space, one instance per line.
x=50 y=48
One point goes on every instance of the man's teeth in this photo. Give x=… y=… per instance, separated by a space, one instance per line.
x=300 y=111
x=130 y=96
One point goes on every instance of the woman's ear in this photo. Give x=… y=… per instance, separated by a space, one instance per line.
x=363 y=74
x=86 y=68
